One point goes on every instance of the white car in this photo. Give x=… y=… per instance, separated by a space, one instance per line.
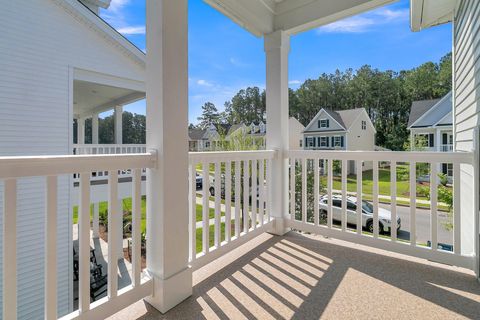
x=384 y=216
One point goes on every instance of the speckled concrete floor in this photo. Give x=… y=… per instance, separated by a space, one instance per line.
x=310 y=277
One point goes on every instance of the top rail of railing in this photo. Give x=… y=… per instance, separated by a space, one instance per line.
x=34 y=166
x=398 y=156
x=222 y=156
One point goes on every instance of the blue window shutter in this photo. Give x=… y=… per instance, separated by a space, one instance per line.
x=328 y=142
x=328 y=123
x=314 y=141
x=318 y=123
x=342 y=141
x=306 y=145
x=333 y=141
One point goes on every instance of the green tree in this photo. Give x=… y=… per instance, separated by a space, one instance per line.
x=209 y=115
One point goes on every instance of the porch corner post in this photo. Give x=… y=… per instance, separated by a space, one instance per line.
x=118 y=119
x=81 y=130
x=95 y=128
x=277 y=48
x=167 y=135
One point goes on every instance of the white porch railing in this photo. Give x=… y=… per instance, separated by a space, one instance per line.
x=79 y=149
x=51 y=167
x=446 y=147
x=302 y=217
x=241 y=180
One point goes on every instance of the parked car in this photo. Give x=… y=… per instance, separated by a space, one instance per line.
x=384 y=216
x=199 y=181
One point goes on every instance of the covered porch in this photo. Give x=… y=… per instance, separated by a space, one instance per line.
x=273 y=252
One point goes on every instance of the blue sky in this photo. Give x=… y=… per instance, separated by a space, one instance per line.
x=223 y=57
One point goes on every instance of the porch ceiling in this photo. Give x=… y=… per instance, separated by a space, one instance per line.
x=262 y=17
x=428 y=13
x=89 y=97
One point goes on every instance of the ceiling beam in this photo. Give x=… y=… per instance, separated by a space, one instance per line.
x=295 y=16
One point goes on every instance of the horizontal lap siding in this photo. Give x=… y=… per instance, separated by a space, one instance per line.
x=466 y=104
x=40 y=44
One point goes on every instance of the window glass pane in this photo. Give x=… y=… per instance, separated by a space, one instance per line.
x=337 y=203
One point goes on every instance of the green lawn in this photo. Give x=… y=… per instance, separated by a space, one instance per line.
x=127 y=206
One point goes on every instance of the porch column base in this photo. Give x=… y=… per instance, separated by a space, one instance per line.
x=278 y=227
x=167 y=293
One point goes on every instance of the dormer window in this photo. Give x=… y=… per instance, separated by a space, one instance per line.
x=323 y=123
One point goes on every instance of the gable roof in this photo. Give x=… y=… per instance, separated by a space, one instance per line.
x=196 y=134
x=345 y=118
x=86 y=16
x=421 y=110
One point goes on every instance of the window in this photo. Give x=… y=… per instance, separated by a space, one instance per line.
x=364 y=125
x=310 y=142
x=447 y=168
x=323 y=123
x=337 y=141
x=425 y=140
x=351 y=206
x=301 y=143
x=323 y=142
x=337 y=203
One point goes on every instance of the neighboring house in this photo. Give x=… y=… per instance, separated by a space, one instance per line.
x=431 y=122
x=60 y=61
x=239 y=136
x=341 y=130
x=295 y=129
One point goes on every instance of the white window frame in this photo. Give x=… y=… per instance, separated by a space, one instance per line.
x=364 y=125
x=337 y=141
x=324 y=123
x=310 y=142
x=323 y=142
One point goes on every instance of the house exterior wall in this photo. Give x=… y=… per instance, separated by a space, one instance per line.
x=295 y=136
x=43 y=43
x=466 y=65
x=329 y=136
x=358 y=139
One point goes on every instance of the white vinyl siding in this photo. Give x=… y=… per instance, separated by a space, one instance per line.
x=466 y=64
x=40 y=45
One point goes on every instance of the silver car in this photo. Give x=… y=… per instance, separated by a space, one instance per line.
x=384 y=216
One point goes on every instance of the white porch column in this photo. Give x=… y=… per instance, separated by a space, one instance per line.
x=167 y=133
x=81 y=130
x=277 y=48
x=118 y=124
x=95 y=128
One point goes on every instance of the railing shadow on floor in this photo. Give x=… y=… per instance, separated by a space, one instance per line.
x=297 y=277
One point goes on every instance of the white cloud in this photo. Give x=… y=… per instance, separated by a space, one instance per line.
x=117 y=5
x=294 y=82
x=132 y=30
x=205 y=83
x=366 y=22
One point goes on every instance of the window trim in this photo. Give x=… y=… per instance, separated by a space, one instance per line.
x=325 y=121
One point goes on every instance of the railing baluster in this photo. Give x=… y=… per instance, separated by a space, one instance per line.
x=375 y=199
x=329 y=192
x=359 y=164
x=228 y=201
x=238 y=195
x=84 y=243
x=51 y=247
x=457 y=238
x=218 y=193
x=433 y=205
x=316 y=187
x=267 y=192
x=393 y=199
x=113 y=233
x=254 y=194
x=10 y=249
x=193 y=212
x=262 y=192
x=413 y=202
x=246 y=191
x=205 y=207
x=304 y=190
x=292 y=188
x=136 y=226
x=344 y=195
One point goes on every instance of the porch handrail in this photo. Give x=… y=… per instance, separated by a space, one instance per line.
x=51 y=168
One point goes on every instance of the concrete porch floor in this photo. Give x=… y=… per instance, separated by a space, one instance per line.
x=301 y=276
